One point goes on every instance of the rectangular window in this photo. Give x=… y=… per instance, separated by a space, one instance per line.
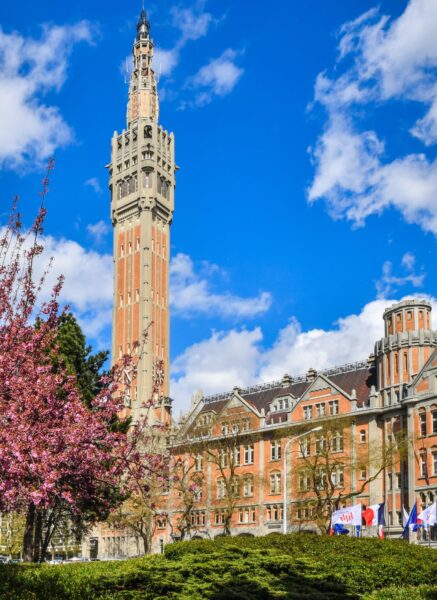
x=422 y=420
x=275 y=450
x=423 y=469
x=320 y=444
x=434 y=463
x=246 y=424
x=219 y=517
x=363 y=475
x=363 y=436
x=434 y=421
x=236 y=455
x=274 y=512
x=198 y=463
x=333 y=407
x=223 y=458
x=398 y=481
x=249 y=454
x=305 y=447
x=320 y=409
x=307 y=412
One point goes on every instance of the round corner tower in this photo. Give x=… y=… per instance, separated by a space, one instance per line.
x=407 y=344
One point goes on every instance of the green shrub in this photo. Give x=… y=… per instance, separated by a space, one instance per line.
x=296 y=567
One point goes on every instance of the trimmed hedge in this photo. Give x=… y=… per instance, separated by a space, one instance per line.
x=296 y=567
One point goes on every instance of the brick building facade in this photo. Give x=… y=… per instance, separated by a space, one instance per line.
x=382 y=414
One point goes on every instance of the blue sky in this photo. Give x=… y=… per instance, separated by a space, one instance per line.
x=306 y=199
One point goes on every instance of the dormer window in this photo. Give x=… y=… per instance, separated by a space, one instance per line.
x=280 y=404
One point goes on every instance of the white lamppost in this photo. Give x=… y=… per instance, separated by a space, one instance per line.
x=287 y=445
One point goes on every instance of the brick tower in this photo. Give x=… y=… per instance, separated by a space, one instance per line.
x=142 y=183
x=407 y=344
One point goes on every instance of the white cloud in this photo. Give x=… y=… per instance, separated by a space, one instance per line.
x=237 y=357
x=191 y=293
x=390 y=60
x=192 y=23
x=389 y=283
x=94 y=183
x=217 y=78
x=88 y=282
x=98 y=230
x=165 y=60
x=30 y=130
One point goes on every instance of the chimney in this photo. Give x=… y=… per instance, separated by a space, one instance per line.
x=286 y=381
x=311 y=375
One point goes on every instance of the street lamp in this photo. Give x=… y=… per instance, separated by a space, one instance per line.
x=287 y=445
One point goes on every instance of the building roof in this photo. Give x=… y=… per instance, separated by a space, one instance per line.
x=357 y=376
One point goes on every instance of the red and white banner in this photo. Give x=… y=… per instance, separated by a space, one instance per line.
x=347 y=516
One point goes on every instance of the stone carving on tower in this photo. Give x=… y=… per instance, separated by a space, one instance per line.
x=142 y=183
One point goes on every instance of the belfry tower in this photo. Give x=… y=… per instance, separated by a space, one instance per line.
x=142 y=183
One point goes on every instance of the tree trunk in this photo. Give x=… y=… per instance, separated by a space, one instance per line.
x=145 y=539
x=50 y=528
x=28 y=537
x=37 y=557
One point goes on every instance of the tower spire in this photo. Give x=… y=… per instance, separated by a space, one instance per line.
x=143 y=25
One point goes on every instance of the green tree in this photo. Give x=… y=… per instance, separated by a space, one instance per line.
x=77 y=359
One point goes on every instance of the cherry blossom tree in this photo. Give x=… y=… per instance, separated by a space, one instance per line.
x=55 y=449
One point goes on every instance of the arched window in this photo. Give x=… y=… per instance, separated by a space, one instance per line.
x=423 y=465
x=275 y=482
x=337 y=441
x=422 y=422
x=198 y=462
x=147 y=179
x=235 y=487
x=434 y=419
x=248 y=486
x=221 y=488
x=363 y=436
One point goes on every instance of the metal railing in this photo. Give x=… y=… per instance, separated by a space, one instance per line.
x=262 y=387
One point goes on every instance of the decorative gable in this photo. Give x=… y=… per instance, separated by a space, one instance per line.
x=425 y=381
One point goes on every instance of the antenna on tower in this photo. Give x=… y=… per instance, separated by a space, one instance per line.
x=126 y=75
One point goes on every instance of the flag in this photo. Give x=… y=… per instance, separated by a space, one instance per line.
x=429 y=515
x=374 y=515
x=404 y=516
x=340 y=529
x=347 y=516
x=411 y=521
